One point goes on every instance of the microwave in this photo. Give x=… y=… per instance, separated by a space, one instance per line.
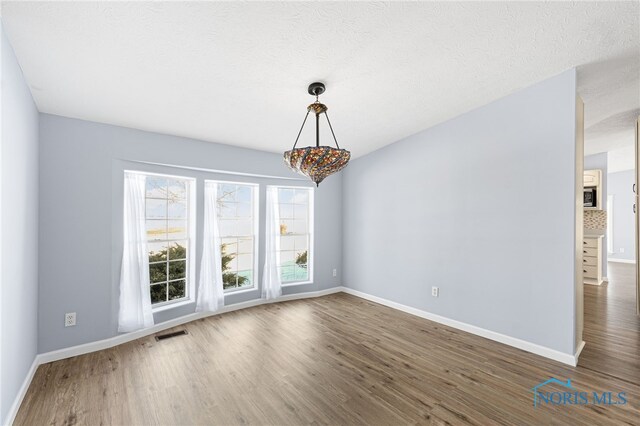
x=590 y=197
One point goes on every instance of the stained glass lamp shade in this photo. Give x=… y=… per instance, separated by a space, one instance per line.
x=317 y=162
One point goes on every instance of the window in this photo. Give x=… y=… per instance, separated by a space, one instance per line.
x=237 y=221
x=296 y=227
x=170 y=237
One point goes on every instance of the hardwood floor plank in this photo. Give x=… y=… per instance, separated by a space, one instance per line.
x=340 y=359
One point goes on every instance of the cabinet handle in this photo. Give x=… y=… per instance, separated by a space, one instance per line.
x=584 y=251
x=584 y=260
x=584 y=270
x=584 y=242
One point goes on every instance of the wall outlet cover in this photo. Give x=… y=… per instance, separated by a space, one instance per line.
x=69 y=319
x=435 y=291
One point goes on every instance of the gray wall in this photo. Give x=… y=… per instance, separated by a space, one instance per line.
x=620 y=186
x=601 y=161
x=19 y=229
x=81 y=178
x=482 y=206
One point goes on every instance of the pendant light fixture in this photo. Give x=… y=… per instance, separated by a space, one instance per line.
x=317 y=162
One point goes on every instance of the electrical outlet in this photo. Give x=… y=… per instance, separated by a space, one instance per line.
x=69 y=319
x=435 y=291
x=621 y=250
x=335 y=272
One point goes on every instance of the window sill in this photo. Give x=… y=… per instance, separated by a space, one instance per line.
x=245 y=290
x=297 y=283
x=172 y=305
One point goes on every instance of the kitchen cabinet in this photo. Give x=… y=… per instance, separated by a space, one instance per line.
x=592 y=177
x=592 y=259
x=592 y=183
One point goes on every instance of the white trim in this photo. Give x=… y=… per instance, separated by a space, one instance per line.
x=310 y=231
x=11 y=415
x=255 y=195
x=609 y=229
x=295 y=283
x=570 y=359
x=190 y=286
x=171 y=304
x=139 y=172
x=123 y=338
x=240 y=290
x=579 y=350
x=612 y=259
x=226 y=172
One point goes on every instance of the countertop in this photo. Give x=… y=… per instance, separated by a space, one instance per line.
x=594 y=233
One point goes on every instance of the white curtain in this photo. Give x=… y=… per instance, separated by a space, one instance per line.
x=210 y=290
x=135 y=301
x=271 y=284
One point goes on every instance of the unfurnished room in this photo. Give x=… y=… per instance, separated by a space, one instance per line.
x=319 y=213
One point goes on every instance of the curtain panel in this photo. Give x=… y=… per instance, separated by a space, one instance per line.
x=210 y=290
x=135 y=301
x=271 y=284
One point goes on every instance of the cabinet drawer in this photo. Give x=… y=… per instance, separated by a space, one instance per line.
x=590 y=242
x=590 y=272
x=589 y=251
x=589 y=261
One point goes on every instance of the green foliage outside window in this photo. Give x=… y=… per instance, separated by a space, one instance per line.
x=177 y=270
x=230 y=279
x=301 y=259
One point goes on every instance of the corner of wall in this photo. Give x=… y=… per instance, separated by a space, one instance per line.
x=19 y=226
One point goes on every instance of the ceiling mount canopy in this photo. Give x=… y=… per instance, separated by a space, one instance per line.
x=317 y=162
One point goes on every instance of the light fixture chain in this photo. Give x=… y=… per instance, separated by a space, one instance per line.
x=301 y=127
x=334 y=135
x=317 y=130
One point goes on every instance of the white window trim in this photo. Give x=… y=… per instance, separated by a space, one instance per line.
x=176 y=303
x=241 y=290
x=310 y=255
x=190 y=276
x=256 y=230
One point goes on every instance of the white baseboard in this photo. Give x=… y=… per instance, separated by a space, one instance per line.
x=570 y=359
x=127 y=337
x=613 y=259
x=11 y=415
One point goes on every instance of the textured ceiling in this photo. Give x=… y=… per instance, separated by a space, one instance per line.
x=237 y=73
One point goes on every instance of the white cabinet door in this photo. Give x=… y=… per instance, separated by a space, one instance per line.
x=591 y=177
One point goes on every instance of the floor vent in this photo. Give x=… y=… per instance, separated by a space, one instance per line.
x=170 y=335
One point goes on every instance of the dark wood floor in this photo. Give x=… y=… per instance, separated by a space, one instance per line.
x=340 y=359
x=611 y=329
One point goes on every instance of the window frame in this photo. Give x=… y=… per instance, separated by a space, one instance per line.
x=311 y=229
x=256 y=233
x=190 y=272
